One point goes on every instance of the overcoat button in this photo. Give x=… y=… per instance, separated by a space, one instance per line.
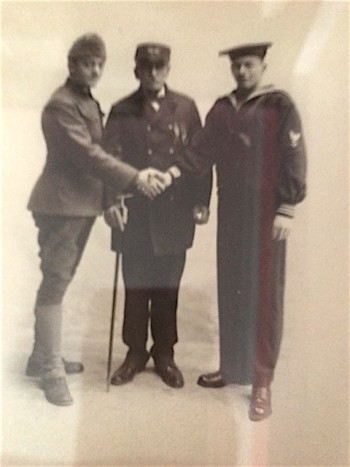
x=150 y=152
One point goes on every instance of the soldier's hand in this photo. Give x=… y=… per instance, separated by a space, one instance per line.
x=201 y=214
x=282 y=227
x=151 y=182
x=115 y=218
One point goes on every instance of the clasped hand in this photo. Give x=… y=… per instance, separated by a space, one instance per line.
x=152 y=182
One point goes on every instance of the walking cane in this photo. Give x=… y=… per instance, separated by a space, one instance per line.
x=124 y=215
x=111 y=331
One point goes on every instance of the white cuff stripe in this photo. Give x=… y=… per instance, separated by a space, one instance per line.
x=286 y=210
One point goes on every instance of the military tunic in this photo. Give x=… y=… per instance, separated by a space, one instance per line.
x=76 y=166
x=69 y=193
x=259 y=153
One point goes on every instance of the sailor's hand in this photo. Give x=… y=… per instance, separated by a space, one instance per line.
x=172 y=174
x=282 y=227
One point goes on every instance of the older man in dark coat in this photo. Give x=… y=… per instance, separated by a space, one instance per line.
x=66 y=200
x=254 y=137
x=152 y=127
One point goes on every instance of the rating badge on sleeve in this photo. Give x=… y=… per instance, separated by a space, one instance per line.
x=294 y=138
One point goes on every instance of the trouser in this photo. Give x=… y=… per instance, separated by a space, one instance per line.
x=151 y=292
x=251 y=315
x=61 y=241
x=269 y=319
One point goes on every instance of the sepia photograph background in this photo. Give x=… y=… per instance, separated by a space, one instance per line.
x=146 y=422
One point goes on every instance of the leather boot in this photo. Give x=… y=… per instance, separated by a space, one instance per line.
x=48 y=331
x=56 y=391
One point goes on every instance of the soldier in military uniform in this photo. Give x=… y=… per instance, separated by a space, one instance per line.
x=66 y=200
x=152 y=127
x=254 y=137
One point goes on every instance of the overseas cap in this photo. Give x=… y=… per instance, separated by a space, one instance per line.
x=151 y=52
x=259 y=49
x=88 y=45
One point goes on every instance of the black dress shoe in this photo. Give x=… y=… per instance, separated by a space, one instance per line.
x=126 y=372
x=260 y=405
x=170 y=374
x=56 y=391
x=212 y=380
x=35 y=367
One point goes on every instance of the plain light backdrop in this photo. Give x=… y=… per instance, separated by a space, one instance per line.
x=308 y=59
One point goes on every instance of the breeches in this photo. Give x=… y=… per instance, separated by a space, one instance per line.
x=62 y=241
x=151 y=293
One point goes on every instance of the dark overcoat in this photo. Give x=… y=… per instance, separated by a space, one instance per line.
x=259 y=153
x=138 y=135
x=71 y=183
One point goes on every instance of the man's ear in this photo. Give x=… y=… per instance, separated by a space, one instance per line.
x=70 y=65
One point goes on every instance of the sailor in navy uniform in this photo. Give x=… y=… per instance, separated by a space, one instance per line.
x=254 y=138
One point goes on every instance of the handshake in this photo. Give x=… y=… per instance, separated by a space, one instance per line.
x=152 y=182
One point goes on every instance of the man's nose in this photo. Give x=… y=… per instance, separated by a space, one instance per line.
x=153 y=71
x=97 y=70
